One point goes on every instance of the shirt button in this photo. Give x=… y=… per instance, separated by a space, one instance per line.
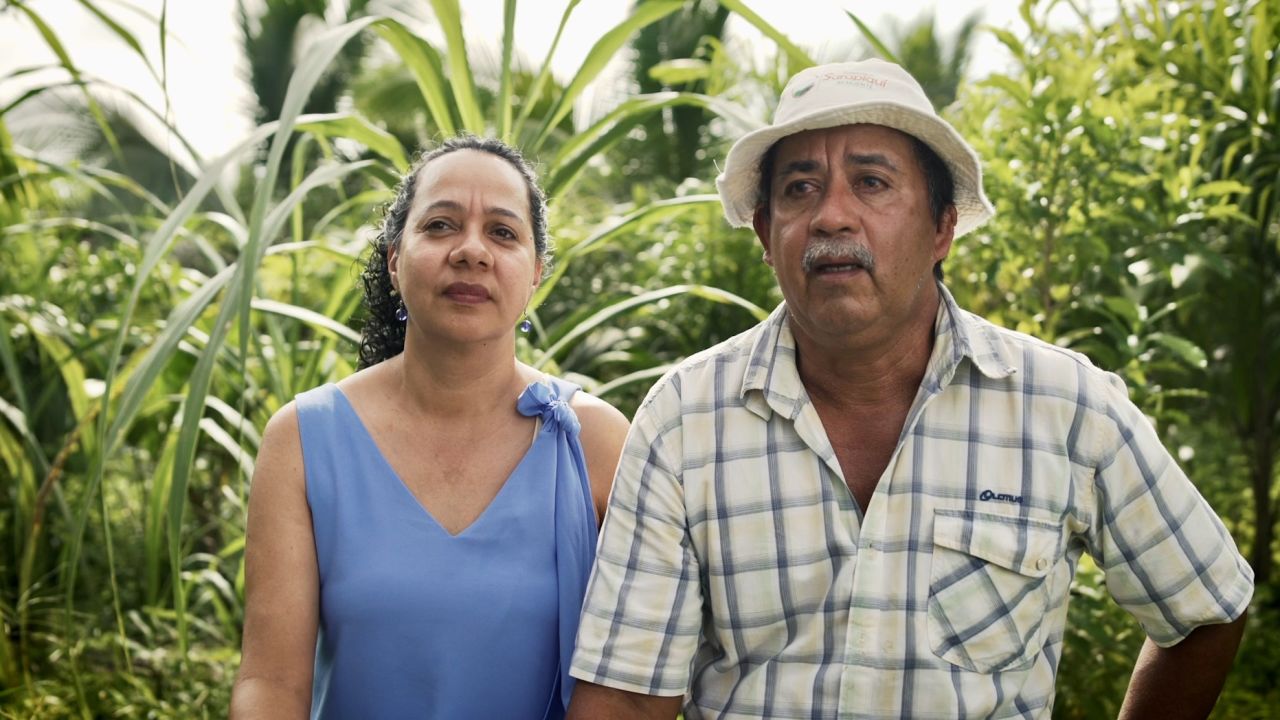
x=1042 y=563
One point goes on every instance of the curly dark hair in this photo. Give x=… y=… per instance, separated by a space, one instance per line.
x=382 y=336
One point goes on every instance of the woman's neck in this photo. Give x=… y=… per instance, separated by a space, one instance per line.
x=454 y=381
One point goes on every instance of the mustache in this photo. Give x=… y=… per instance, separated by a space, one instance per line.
x=829 y=251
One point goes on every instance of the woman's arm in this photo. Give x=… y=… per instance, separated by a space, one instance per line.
x=281 y=582
x=604 y=430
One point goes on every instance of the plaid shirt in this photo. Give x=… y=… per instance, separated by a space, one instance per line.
x=735 y=565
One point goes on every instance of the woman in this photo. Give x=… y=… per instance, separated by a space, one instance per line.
x=420 y=534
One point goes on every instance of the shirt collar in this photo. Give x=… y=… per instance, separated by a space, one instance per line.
x=958 y=334
x=771 y=382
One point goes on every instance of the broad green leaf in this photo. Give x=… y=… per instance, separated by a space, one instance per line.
x=1009 y=40
x=680 y=71
x=1183 y=348
x=1014 y=89
x=1124 y=308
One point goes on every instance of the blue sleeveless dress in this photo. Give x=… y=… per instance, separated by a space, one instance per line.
x=418 y=623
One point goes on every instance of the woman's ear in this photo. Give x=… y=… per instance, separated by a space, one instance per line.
x=393 y=261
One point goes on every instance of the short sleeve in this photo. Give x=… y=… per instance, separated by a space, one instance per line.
x=642 y=615
x=1168 y=558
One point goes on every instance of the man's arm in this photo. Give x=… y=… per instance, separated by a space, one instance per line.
x=597 y=702
x=1182 y=681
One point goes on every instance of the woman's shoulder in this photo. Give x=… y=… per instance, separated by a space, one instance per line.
x=603 y=433
x=592 y=411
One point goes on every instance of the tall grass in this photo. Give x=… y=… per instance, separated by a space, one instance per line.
x=224 y=314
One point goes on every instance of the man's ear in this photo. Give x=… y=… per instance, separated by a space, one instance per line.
x=945 y=234
x=760 y=221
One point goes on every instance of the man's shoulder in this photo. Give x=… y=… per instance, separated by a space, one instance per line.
x=695 y=374
x=1029 y=354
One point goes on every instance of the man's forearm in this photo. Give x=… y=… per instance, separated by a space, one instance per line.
x=596 y=702
x=1182 y=681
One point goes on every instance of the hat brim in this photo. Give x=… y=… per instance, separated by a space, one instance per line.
x=739 y=182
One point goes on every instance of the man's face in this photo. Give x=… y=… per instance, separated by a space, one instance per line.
x=849 y=233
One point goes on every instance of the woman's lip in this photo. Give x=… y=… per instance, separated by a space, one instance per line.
x=467 y=293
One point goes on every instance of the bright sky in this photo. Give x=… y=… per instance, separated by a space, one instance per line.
x=210 y=98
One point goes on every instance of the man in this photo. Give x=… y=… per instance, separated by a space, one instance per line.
x=872 y=504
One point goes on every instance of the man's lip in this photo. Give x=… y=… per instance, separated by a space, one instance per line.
x=467 y=292
x=821 y=269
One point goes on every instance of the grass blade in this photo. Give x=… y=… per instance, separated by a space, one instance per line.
x=880 y=47
x=600 y=55
x=653 y=211
x=423 y=62
x=601 y=316
x=449 y=15
x=504 y=84
x=355 y=127
x=544 y=74
x=797 y=58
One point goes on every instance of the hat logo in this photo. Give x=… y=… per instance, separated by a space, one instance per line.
x=803 y=90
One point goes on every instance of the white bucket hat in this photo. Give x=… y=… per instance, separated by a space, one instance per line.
x=873 y=92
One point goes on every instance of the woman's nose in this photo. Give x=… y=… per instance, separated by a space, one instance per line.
x=471 y=249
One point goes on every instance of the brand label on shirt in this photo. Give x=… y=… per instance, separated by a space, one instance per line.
x=1000 y=497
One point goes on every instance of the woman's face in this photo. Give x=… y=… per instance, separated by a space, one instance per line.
x=466 y=265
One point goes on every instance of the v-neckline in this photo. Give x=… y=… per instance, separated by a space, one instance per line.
x=386 y=465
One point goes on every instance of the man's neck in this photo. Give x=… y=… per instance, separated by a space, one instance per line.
x=869 y=374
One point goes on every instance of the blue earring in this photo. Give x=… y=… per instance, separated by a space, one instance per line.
x=402 y=312
x=525 y=325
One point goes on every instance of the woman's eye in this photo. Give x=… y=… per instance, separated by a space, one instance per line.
x=504 y=232
x=435 y=225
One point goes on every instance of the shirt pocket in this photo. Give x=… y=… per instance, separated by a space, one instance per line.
x=988 y=589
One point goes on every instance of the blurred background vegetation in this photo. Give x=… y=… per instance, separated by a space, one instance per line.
x=153 y=317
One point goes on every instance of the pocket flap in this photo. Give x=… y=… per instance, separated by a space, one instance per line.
x=1027 y=547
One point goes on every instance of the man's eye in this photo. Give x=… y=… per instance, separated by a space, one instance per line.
x=873 y=182
x=798 y=187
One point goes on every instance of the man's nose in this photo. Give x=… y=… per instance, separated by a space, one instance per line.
x=837 y=212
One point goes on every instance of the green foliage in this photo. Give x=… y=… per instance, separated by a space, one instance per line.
x=1100 y=639
x=1134 y=166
